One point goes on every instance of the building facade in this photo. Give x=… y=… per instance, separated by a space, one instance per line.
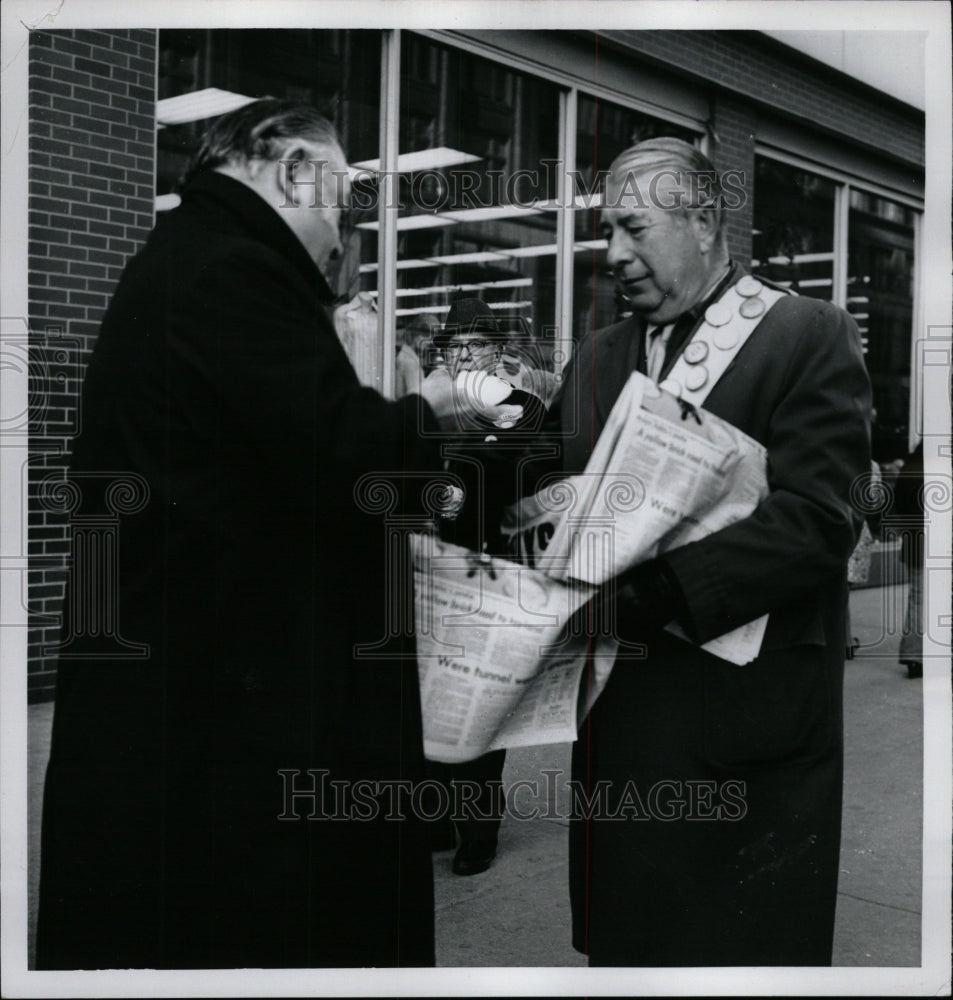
x=474 y=160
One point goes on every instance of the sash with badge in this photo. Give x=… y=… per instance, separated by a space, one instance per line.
x=663 y=473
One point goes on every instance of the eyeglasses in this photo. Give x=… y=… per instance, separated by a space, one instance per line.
x=473 y=346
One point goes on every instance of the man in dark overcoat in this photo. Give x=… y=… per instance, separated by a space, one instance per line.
x=714 y=836
x=191 y=817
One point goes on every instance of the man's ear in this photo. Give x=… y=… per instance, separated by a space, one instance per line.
x=293 y=168
x=705 y=221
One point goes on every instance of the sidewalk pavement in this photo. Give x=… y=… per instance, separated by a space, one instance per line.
x=517 y=913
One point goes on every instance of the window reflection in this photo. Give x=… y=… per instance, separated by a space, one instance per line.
x=793 y=235
x=478 y=180
x=880 y=297
x=477 y=193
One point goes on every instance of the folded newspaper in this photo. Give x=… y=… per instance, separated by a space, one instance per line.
x=497 y=668
x=662 y=474
x=496 y=665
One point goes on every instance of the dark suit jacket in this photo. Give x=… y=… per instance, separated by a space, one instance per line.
x=254 y=573
x=688 y=893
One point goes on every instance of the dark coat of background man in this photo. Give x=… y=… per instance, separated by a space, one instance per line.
x=756 y=886
x=252 y=574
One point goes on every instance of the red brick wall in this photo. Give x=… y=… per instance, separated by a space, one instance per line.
x=734 y=124
x=91 y=175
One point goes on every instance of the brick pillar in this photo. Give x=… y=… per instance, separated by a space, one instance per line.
x=91 y=206
x=735 y=124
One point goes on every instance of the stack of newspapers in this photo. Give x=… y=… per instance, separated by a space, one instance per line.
x=498 y=667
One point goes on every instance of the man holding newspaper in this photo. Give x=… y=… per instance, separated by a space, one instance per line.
x=709 y=828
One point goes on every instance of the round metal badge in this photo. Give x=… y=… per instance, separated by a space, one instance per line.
x=726 y=339
x=752 y=308
x=748 y=287
x=696 y=378
x=718 y=314
x=696 y=352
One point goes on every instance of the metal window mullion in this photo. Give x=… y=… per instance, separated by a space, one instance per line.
x=387 y=208
x=841 y=258
x=916 y=417
x=565 y=224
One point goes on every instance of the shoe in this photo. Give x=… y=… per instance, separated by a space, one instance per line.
x=473 y=857
x=914 y=668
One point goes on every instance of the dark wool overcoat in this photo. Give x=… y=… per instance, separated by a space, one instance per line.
x=258 y=577
x=719 y=844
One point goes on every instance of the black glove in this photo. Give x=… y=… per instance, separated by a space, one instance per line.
x=634 y=605
x=643 y=600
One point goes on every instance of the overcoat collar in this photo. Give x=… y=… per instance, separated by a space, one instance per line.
x=252 y=214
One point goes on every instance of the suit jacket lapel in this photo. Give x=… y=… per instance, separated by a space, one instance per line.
x=617 y=356
x=682 y=333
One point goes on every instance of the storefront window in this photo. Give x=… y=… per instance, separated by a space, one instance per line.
x=794 y=243
x=793 y=235
x=880 y=275
x=477 y=194
x=479 y=169
x=603 y=131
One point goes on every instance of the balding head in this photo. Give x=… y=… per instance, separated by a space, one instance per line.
x=289 y=155
x=671 y=173
x=662 y=218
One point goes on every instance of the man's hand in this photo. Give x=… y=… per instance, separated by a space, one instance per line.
x=613 y=610
x=454 y=409
x=634 y=605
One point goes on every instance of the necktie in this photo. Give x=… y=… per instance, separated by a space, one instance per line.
x=655 y=352
x=660 y=339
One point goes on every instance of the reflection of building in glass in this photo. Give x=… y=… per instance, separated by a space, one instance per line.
x=799 y=239
x=880 y=295
x=500 y=138
x=485 y=225
x=794 y=246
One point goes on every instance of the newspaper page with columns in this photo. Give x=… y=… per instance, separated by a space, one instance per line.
x=497 y=667
x=663 y=473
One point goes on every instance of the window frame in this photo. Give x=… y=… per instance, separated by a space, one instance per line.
x=845 y=183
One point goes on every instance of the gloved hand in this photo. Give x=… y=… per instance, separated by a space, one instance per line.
x=647 y=598
x=634 y=605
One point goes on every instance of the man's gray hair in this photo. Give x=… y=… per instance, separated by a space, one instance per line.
x=688 y=165
x=260 y=130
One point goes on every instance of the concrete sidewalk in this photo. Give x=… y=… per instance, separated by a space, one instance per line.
x=517 y=913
